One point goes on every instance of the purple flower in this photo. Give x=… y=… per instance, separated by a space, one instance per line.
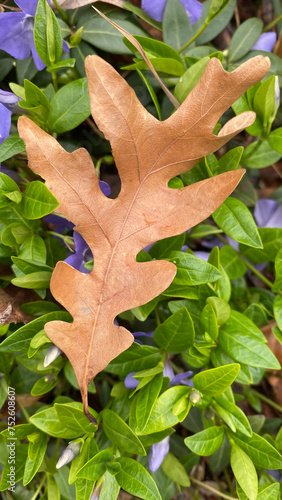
x=5 y=123
x=16 y=32
x=130 y=382
x=155 y=9
x=82 y=254
x=157 y=454
x=266 y=41
x=10 y=101
x=8 y=105
x=268 y=213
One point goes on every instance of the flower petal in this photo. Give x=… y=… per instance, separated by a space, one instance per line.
x=10 y=101
x=263 y=211
x=180 y=379
x=5 y=123
x=193 y=8
x=266 y=41
x=276 y=219
x=27 y=6
x=15 y=33
x=154 y=8
x=130 y=382
x=157 y=454
x=105 y=188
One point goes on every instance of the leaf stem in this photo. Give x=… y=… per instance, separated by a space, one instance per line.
x=229 y=482
x=267 y=400
x=61 y=12
x=210 y=488
x=273 y=23
x=39 y=487
x=55 y=81
x=187 y=44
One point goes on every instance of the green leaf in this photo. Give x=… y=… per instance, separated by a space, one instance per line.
x=36 y=451
x=244 y=471
x=177 y=333
x=145 y=401
x=48 y=38
x=19 y=341
x=70 y=106
x=244 y=38
x=20 y=458
x=277 y=309
x=174 y=469
x=30 y=266
x=151 y=92
x=259 y=155
x=96 y=466
x=134 y=479
x=236 y=414
x=9 y=190
x=34 y=96
x=239 y=323
x=272 y=241
x=38 y=201
x=235 y=219
x=72 y=415
x=120 y=433
x=274 y=140
x=13 y=145
x=231 y=160
x=264 y=100
x=38 y=280
x=53 y=490
x=155 y=49
x=33 y=249
x=262 y=453
x=217 y=380
x=257 y=314
x=247 y=349
x=189 y=79
x=177 y=28
x=277 y=285
x=269 y=492
x=135 y=358
x=221 y=307
x=217 y=7
x=234 y=267
x=202 y=230
x=48 y=421
x=192 y=270
x=66 y=63
x=216 y=25
x=209 y=321
x=44 y=384
x=185 y=292
x=162 y=417
x=206 y=442
x=163 y=65
x=162 y=248
x=88 y=449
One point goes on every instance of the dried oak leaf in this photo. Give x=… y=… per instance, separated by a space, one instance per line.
x=148 y=153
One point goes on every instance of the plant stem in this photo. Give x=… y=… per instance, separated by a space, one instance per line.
x=61 y=11
x=193 y=37
x=273 y=23
x=39 y=487
x=268 y=401
x=210 y=488
x=55 y=81
x=278 y=10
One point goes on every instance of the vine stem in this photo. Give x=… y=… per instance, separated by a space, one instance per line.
x=187 y=44
x=61 y=11
x=39 y=487
x=273 y=23
x=210 y=488
x=267 y=400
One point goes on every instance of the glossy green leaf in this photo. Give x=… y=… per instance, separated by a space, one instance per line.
x=206 y=442
x=33 y=249
x=259 y=155
x=120 y=433
x=239 y=323
x=70 y=106
x=38 y=201
x=162 y=248
x=163 y=65
x=233 y=265
x=72 y=415
x=247 y=349
x=192 y=270
x=19 y=341
x=209 y=321
x=145 y=401
x=274 y=140
x=278 y=272
x=134 y=479
x=38 y=280
x=236 y=414
x=221 y=308
x=96 y=466
x=13 y=145
x=272 y=241
x=217 y=24
x=185 y=292
x=162 y=417
x=264 y=100
x=48 y=38
x=217 y=380
x=235 y=219
x=269 y=492
x=231 y=160
x=277 y=309
x=36 y=451
x=135 y=358
x=177 y=333
x=88 y=449
x=189 y=79
x=244 y=38
x=244 y=471
x=20 y=459
x=262 y=453
x=177 y=28
x=44 y=384
x=174 y=469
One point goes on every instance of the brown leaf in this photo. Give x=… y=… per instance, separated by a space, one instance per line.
x=148 y=153
x=74 y=4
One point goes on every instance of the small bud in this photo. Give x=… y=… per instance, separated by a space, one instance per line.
x=195 y=396
x=71 y=451
x=75 y=39
x=277 y=93
x=52 y=354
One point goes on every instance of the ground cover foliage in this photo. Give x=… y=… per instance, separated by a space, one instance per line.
x=141 y=276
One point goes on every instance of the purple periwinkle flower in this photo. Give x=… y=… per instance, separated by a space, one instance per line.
x=82 y=254
x=8 y=105
x=130 y=382
x=266 y=41
x=157 y=454
x=70 y=452
x=53 y=353
x=5 y=123
x=155 y=9
x=16 y=32
x=268 y=213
